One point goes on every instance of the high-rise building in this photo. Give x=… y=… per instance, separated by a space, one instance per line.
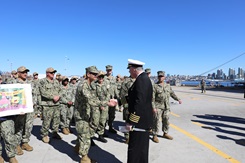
x=240 y=73
x=232 y=73
x=219 y=74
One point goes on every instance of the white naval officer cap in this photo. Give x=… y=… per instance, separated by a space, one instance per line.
x=134 y=63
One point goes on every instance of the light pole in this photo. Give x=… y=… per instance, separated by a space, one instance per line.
x=10 y=63
x=66 y=64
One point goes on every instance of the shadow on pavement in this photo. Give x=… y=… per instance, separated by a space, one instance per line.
x=60 y=145
x=116 y=137
x=63 y=147
x=36 y=132
x=237 y=141
x=102 y=156
x=222 y=118
x=218 y=124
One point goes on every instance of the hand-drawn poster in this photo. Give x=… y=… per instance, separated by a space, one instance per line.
x=15 y=99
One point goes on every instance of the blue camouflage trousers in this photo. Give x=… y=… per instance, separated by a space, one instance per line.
x=102 y=121
x=50 y=113
x=23 y=127
x=161 y=114
x=8 y=134
x=83 y=136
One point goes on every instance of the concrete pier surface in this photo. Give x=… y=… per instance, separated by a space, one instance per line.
x=206 y=127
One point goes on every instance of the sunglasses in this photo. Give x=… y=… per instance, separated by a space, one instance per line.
x=93 y=73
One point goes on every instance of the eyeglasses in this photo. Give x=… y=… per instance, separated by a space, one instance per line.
x=24 y=72
x=52 y=72
x=100 y=76
x=93 y=73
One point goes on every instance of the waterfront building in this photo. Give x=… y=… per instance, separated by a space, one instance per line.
x=232 y=74
x=240 y=73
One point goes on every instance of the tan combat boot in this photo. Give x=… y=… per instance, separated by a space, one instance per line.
x=1 y=159
x=27 y=147
x=45 y=139
x=155 y=139
x=64 y=131
x=13 y=160
x=167 y=136
x=68 y=130
x=19 y=150
x=85 y=159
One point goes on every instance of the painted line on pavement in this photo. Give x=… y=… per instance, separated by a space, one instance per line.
x=176 y=115
x=198 y=124
x=202 y=125
x=212 y=148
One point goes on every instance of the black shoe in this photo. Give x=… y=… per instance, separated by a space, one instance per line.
x=105 y=135
x=92 y=142
x=70 y=130
x=56 y=136
x=102 y=139
x=112 y=130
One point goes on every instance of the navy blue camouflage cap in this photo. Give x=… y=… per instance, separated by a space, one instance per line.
x=108 y=67
x=160 y=73
x=92 y=69
x=148 y=70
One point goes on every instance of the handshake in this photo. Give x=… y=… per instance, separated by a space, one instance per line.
x=112 y=102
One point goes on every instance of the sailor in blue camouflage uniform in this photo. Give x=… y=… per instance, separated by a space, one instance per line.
x=73 y=86
x=24 y=123
x=14 y=76
x=86 y=107
x=161 y=97
x=36 y=93
x=50 y=92
x=103 y=95
x=7 y=132
x=66 y=101
x=111 y=85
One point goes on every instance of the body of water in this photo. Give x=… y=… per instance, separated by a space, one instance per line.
x=211 y=83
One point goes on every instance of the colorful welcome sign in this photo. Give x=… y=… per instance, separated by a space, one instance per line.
x=15 y=99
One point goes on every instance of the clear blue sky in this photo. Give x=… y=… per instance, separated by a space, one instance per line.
x=185 y=37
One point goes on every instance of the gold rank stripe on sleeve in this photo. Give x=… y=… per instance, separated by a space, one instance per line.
x=134 y=118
